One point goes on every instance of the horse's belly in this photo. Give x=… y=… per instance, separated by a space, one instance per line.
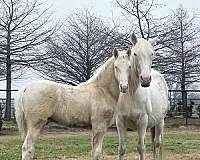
x=74 y=115
x=73 y=120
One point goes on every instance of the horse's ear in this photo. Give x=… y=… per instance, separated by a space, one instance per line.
x=115 y=53
x=133 y=39
x=154 y=40
x=129 y=52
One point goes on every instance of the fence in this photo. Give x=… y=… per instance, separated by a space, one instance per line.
x=178 y=110
x=3 y=106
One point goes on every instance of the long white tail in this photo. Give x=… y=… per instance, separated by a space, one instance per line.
x=19 y=113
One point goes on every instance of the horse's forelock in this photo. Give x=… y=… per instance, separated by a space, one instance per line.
x=142 y=46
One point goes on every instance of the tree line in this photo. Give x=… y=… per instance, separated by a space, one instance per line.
x=70 y=51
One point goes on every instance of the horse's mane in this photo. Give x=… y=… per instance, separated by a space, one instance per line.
x=99 y=71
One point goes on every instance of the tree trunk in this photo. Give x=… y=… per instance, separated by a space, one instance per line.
x=139 y=20
x=8 y=92
x=1 y=121
x=8 y=79
x=184 y=94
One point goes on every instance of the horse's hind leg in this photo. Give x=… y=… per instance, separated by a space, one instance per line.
x=30 y=140
x=157 y=141
x=98 y=132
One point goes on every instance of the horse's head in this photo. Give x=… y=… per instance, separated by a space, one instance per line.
x=143 y=51
x=122 y=68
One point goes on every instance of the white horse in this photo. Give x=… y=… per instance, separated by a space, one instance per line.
x=91 y=103
x=146 y=102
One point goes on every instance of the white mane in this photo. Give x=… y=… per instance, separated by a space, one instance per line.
x=99 y=71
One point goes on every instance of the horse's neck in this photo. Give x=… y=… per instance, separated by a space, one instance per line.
x=106 y=79
x=134 y=78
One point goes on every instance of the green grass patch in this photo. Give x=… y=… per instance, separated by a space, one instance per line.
x=57 y=146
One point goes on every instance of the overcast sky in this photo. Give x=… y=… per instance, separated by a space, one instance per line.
x=105 y=9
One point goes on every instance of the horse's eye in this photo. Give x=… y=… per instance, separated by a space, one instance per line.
x=129 y=66
x=115 y=67
x=135 y=54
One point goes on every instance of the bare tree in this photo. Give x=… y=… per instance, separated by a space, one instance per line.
x=23 y=26
x=181 y=53
x=182 y=47
x=168 y=52
x=2 y=71
x=84 y=44
x=139 y=14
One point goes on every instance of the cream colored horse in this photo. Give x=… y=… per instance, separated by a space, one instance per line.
x=91 y=103
x=146 y=102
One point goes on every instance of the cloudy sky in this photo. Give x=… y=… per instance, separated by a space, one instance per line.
x=103 y=8
x=107 y=8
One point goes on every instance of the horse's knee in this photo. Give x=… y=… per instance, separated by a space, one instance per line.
x=157 y=143
x=141 y=148
x=27 y=153
x=96 y=155
x=24 y=148
x=122 y=149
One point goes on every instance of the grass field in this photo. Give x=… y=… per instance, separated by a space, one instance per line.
x=178 y=145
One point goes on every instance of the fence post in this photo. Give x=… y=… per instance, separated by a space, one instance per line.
x=8 y=110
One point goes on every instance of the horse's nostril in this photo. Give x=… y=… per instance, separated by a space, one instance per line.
x=141 y=77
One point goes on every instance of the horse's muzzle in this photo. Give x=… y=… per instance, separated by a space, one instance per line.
x=145 y=82
x=123 y=88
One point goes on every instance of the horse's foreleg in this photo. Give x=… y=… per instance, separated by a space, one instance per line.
x=121 y=128
x=29 y=142
x=157 y=141
x=97 y=140
x=142 y=127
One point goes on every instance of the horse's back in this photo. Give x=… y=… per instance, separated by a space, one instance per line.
x=38 y=99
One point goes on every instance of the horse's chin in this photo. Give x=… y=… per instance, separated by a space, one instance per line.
x=123 y=90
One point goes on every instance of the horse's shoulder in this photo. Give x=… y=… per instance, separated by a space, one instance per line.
x=156 y=75
x=159 y=79
x=155 y=72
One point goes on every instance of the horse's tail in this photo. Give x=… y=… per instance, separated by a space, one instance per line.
x=19 y=113
x=153 y=133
